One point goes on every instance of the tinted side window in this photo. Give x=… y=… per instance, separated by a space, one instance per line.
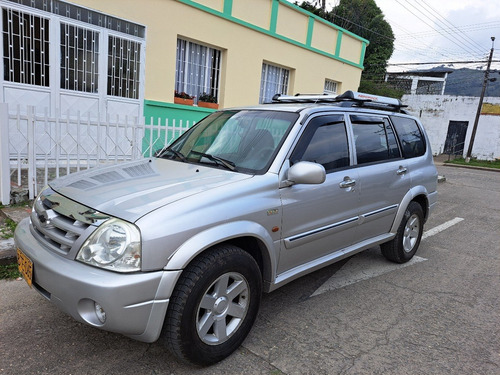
x=411 y=138
x=324 y=142
x=374 y=139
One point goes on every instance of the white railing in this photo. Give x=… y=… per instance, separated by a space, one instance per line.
x=36 y=148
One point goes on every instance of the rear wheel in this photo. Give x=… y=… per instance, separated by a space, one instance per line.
x=404 y=246
x=213 y=305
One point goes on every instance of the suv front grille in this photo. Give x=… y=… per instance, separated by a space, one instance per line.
x=58 y=222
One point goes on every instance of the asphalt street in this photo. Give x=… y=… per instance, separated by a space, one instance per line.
x=437 y=315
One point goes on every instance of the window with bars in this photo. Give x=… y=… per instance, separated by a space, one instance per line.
x=330 y=87
x=124 y=60
x=25 y=48
x=79 y=58
x=274 y=80
x=197 y=69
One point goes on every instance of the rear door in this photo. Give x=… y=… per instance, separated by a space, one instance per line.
x=383 y=178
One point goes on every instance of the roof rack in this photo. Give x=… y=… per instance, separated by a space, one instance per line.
x=304 y=98
x=350 y=98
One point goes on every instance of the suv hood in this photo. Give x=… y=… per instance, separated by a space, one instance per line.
x=131 y=190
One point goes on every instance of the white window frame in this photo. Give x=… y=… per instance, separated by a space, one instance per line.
x=197 y=69
x=331 y=87
x=274 y=80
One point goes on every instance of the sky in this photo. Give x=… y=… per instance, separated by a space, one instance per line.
x=443 y=30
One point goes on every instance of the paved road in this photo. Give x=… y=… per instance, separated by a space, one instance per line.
x=436 y=316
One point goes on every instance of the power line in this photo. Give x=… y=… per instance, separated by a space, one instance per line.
x=442 y=62
x=438 y=17
x=461 y=29
x=451 y=40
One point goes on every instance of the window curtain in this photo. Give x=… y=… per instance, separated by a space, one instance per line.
x=197 y=69
x=274 y=80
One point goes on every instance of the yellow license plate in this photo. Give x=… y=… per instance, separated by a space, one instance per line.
x=25 y=266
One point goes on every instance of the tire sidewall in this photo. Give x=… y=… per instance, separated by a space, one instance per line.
x=412 y=209
x=237 y=261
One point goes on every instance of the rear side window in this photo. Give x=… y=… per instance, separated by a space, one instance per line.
x=374 y=139
x=411 y=138
x=324 y=142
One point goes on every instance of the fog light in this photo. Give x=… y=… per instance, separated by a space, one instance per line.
x=99 y=311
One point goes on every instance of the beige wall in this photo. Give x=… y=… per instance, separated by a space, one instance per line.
x=244 y=49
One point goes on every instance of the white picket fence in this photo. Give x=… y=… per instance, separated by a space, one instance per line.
x=36 y=148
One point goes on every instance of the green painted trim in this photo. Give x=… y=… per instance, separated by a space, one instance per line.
x=274 y=34
x=363 y=51
x=340 y=34
x=310 y=30
x=228 y=7
x=274 y=16
x=317 y=18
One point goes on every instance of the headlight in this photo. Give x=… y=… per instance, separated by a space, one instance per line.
x=115 y=245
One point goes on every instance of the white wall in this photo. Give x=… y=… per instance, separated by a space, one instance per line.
x=436 y=111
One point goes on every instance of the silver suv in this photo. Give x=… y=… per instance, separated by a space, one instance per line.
x=181 y=246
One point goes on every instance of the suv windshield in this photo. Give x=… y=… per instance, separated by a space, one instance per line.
x=244 y=141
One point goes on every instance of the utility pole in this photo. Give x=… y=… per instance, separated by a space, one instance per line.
x=478 y=113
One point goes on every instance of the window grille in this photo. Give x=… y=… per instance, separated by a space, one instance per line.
x=79 y=58
x=274 y=80
x=197 y=69
x=124 y=59
x=330 y=87
x=78 y=13
x=26 y=48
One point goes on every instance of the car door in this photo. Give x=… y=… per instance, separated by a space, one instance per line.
x=320 y=219
x=383 y=178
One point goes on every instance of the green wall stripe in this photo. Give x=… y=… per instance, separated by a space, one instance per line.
x=363 y=51
x=310 y=30
x=339 y=43
x=228 y=7
x=317 y=18
x=278 y=36
x=274 y=16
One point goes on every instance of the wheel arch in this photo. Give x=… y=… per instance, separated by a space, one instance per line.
x=249 y=236
x=416 y=194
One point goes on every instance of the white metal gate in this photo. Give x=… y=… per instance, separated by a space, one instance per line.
x=63 y=58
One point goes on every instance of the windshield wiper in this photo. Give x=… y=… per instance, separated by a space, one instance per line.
x=179 y=154
x=225 y=163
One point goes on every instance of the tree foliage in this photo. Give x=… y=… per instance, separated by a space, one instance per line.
x=363 y=18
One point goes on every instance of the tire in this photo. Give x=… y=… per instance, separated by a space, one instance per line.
x=213 y=306
x=404 y=246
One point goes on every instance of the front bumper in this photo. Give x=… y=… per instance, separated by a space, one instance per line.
x=135 y=304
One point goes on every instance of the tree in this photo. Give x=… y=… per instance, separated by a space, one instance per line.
x=364 y=18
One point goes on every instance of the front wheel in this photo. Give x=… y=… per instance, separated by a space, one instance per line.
x=404 y=246
x=213 y=306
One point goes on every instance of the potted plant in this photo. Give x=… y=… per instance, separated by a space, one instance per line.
x=208 y=101
x=183 y=98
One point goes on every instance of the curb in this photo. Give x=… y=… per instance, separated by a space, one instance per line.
x=7 y=251
x=471 y=167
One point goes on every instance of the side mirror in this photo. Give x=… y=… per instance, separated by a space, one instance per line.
x=306 y=172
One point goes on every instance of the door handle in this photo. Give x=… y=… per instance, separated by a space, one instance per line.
x=347 y=183
x=401 y=170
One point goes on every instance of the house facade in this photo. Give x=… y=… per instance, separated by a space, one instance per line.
x=118 y=58
x=420 y=82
